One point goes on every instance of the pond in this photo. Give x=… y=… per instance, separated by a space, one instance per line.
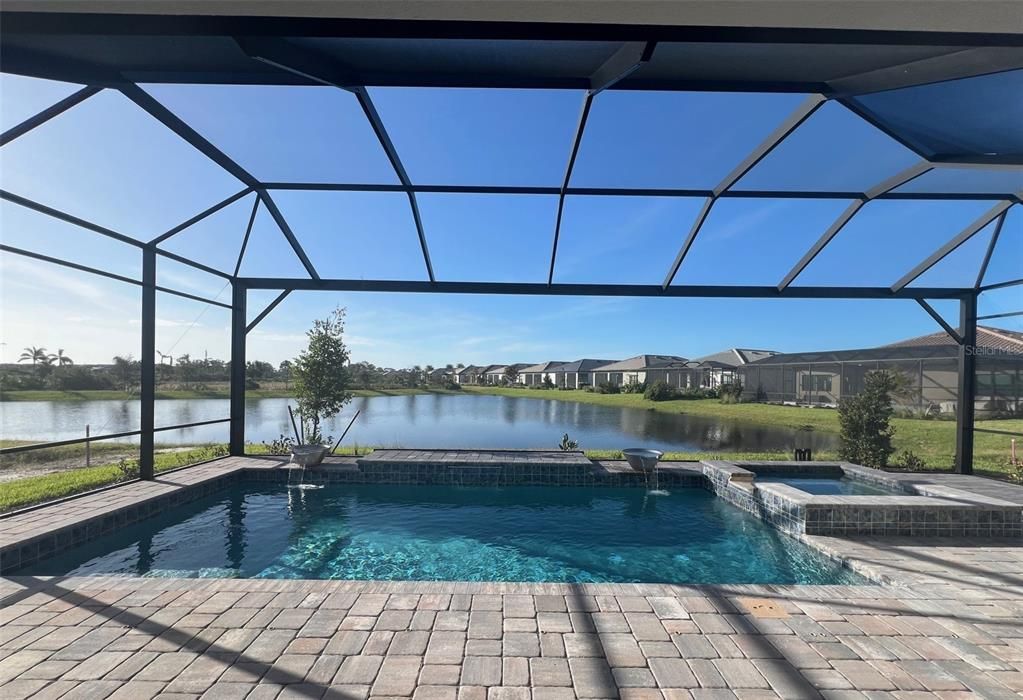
x=423 y=420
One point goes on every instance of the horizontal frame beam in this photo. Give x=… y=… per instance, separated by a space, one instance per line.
x=109 y=436
x=633 y=191
x=105 y=24
x=621 y=290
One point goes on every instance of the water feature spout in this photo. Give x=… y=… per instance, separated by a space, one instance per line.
x=645 y=460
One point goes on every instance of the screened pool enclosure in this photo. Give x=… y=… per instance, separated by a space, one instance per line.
x=725 y=162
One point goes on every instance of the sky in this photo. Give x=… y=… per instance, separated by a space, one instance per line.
x=108 y=162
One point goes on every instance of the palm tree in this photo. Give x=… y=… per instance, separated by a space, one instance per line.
x=61 y=359
x=33 y=354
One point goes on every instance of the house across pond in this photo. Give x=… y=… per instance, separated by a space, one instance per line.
x=928 y=364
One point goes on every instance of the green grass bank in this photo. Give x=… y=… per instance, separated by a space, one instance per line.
x=932 y=440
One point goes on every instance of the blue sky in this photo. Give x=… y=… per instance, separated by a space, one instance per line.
x=108 y=162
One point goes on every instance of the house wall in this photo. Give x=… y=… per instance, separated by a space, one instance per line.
x=931 y=383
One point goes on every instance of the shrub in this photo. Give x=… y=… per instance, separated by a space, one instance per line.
x=567 y=444
x=660 y=391
x=635 y=388
x=730 y=393
x=608 y=388
x=909 y=461
x=280 y=446
x=127 y=469
x=865 y=422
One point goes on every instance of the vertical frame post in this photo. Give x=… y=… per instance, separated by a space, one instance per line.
x=147 y=386
x=967 y=389
x=238 y=315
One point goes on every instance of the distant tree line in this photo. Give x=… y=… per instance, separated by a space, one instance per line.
x=38 y=369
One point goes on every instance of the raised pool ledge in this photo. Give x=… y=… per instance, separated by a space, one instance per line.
x=918 y=505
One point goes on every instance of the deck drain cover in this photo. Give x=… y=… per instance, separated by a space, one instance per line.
x=763 y=607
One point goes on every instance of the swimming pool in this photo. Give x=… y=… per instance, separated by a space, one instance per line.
x=827 y=487
x=396 y=532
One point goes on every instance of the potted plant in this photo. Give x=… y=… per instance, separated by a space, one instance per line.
x=322 y=385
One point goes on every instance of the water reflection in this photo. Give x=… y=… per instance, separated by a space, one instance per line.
x=430 y=420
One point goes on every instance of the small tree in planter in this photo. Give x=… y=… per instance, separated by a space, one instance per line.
x=321 y=374
x=865 y=421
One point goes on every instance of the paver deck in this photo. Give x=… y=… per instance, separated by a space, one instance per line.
x=948 y=623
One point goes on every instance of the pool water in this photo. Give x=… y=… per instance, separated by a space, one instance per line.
x=455 y=533
x=827 y=487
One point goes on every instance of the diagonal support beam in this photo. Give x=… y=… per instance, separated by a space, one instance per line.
x=370 y=110
x=803 y=112
x=245 y=239
x=266 y=312
x=48 y=114
x=963 y=236
x=173 y=122
x=990 y=250
x=1002 y=285
x=103 y=231
x=882 y=188
x=200 y=216
x=623 y=63
x=1005 y=315
x=282 y=223
x=940 y=321
x=961 y=63
x=170 y=120
x=576 y=142
x=325 y=70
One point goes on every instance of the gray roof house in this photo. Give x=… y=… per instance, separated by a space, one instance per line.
x=574 y=375
x=470 y=374
x=644 y=368
x=495 y=374
x=532 y=375
x=722 y=367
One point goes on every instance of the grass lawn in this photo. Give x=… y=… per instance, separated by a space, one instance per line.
x=20 y=493
x=932 y=440
x=212 y=393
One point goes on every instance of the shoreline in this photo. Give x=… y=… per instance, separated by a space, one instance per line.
x=184 y=394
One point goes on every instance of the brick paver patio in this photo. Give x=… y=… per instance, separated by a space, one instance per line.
x=947 y=623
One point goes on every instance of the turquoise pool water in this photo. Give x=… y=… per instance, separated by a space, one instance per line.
x=827 y=487
x=455 y=533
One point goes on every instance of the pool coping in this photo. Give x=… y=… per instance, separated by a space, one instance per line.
x=38 y=534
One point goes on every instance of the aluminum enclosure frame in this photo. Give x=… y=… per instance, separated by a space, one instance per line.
x=638 y=47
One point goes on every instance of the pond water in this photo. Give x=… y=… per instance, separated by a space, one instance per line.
x=423 y=420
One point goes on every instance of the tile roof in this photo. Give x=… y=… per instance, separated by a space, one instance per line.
x=584 y=365
x=736 y=356
x=543 y=366
x=644 y=362
x=987 y=337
